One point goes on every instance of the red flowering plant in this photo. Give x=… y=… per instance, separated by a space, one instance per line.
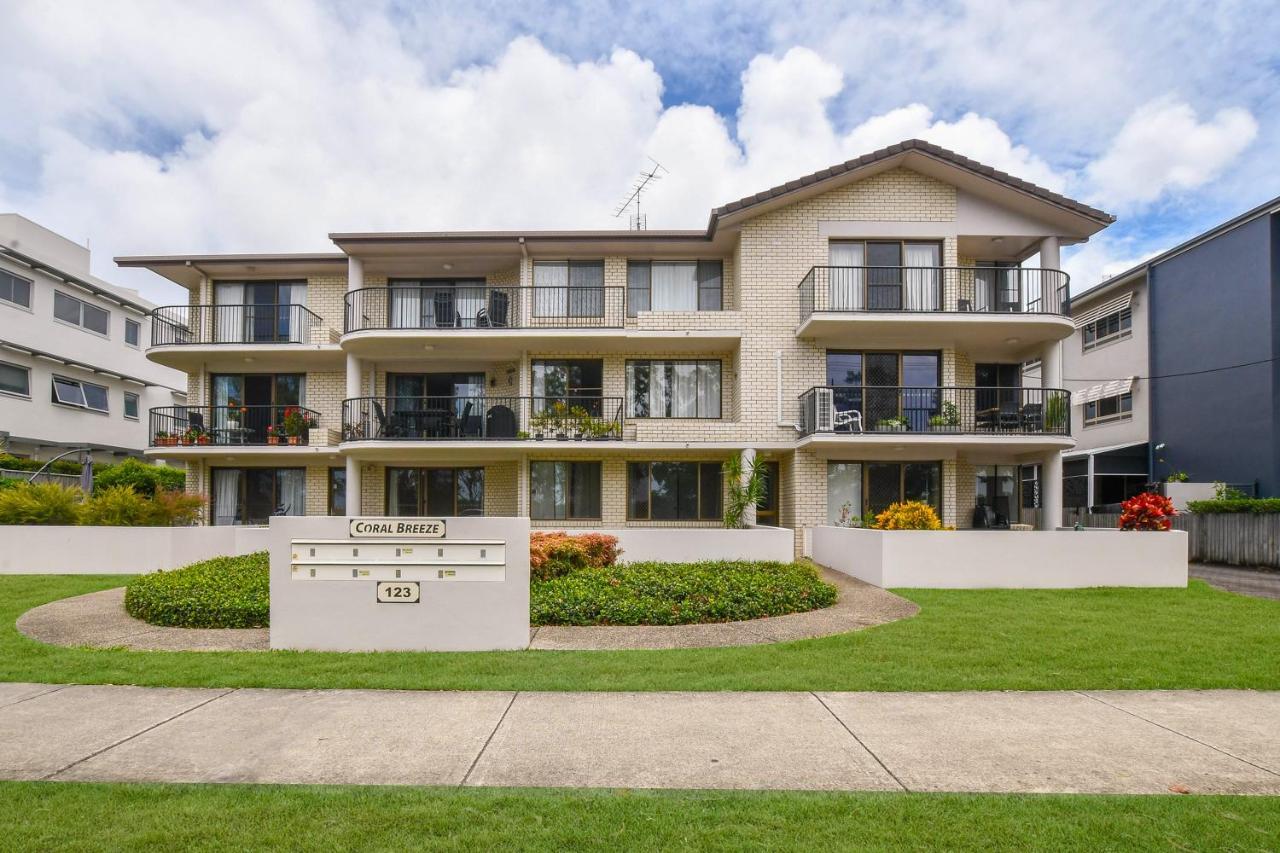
x=1147 y=511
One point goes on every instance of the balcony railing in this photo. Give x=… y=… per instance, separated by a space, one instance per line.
x=175 y=325
x=857 y=409
x=235 y=426
x=964 y=290
x=482 y=419
x=485 y=306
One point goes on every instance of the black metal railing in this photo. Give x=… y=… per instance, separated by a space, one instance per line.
x=859 y=409
x=993 y=290
x=482 y=418
x=232 y=324
x=483 y=306
x=231 y=425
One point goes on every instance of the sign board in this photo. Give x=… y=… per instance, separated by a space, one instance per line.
x=399 y=592
x=396 y=528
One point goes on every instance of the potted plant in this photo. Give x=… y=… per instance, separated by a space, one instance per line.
x=272 y=436
x=580 y=422
x=947 y=419
x=160 y=439
x=202 y=437
x=897 y=423
x=522 y=435
x=559 y=420
x=191 y=436
x=297 y=422
x=539 y=423
x=1055 y=413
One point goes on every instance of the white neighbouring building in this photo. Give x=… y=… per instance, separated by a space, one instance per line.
x=861 y=330
x=73 y=366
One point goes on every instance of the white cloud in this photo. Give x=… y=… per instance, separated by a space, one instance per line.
x=1162 y=147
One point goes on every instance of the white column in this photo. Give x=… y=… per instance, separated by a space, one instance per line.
x=1050 y=254
x=1051 y=490
x=353 y=487
x=748 y=459
x=355 y=273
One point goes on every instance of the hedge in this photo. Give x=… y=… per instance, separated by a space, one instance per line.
x=678 y=593
x=1235 y=505
x=225 y=592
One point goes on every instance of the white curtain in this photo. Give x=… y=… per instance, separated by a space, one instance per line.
x=708 y=390
x=674 y=287
x=684 y=399
x=920 y=280
x=844 y=287
x=551 y=289
x=298 y=319
x=226 y=495
x=659 y=390
x=406 y=307
x=984 y=289
x=292 y=484
x=228 y=313
x=844 y=492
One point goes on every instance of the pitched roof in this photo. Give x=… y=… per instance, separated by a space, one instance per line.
x=924 y=148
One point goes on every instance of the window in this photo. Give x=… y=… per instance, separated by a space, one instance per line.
x=1030 y=486
x=265 y=396
x=132 y=332
x=435 y=491
x=1111 y=327
x=1117 y=408
x=576 y=383
x=253 y=495
x=882 y=276
x=674 y=286
x=885 y=387
x=767 y=506
x=564 y=490
x=130 y=405
x=996 y=486
x=337 y=491
x=673 y=389
x=674 y=491
x=82 y=395
x=15 y=379
x=857 y=488
x=71 y=310
x=568 y=289
x=259 y=311
x=14 y=289
x=446 y=304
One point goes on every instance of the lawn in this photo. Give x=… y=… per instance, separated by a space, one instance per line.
x=961 y=640
x=92 y=817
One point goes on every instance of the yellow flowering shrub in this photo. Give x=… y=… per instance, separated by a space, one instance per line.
x=908 y=515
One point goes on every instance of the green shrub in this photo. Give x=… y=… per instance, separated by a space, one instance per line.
x=142 y=478
x=174 y=507
x=1235 y=505
x=225 y=592
x=678 y=593
x=14 y=463
x=116 y=506
x=9 y=483
x=40 y=503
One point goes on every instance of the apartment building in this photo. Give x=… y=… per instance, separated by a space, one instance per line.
x=861 y=330
x=73 y=367
x=1202 y=320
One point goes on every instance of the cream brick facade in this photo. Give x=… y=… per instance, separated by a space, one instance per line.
x=764 y=258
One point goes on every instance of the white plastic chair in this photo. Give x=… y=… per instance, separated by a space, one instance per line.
x=850 y=417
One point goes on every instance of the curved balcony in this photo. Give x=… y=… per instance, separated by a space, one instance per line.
x=231 y=426
x=1027 y=418
x=183 y=336
x=976 y=307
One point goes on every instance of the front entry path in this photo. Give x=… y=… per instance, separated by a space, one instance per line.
x=1219 y=741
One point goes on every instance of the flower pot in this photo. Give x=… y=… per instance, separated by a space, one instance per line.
x=295 y=439
x=560 y=436
x=273 y=439
x=204 y=439
x=538 y=436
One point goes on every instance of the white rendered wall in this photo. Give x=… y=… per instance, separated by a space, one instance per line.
x=691 y=544
x=976 y=559
x=35 y=549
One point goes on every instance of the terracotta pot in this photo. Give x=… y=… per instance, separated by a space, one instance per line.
x=295 y=439
x=273 y=439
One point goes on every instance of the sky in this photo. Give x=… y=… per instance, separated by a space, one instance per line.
x=164 y=127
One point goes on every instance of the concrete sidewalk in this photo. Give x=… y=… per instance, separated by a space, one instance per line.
x=1094 y=742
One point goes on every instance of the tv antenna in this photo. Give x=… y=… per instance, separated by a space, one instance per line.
x=638 y=220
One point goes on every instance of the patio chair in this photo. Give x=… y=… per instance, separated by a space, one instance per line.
x=387 y=427
x=1033 y=417
x=847 y=418
x=443 y=305
x=1009 y=417
x=499 y=307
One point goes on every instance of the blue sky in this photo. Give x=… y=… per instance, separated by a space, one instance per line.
x=152 y=127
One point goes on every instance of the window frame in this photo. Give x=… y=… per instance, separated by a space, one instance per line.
x=80 y=384
x=137 y=406
x=31 y=287
x=1122 y=412
x=570 y=465
x=421 y=474
x=81 y=305
x=1124 y=329
x=242 y=500
x=700 y=504
x=702 y=275
x=137 y=342
x=632 y=364
x=572 y=309
x=27 y=372
x=331 y=491
x=864 y=473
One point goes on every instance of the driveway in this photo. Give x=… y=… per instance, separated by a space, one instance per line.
x=1259 y=583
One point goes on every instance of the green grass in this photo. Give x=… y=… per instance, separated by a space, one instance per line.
x=94 y=817
x=961 y=640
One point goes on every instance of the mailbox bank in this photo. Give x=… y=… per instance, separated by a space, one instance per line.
x=399 y=584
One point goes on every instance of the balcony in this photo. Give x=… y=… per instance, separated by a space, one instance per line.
x=553 y=421
x=1000 y=311
x=1023 y=418
x=184 y=336
x=204 y=427
x=501 y=320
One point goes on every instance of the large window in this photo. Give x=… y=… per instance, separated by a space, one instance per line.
x=576 y=383
x=883 y=275
x=253 y=495
x=1117 y=408
x=857 y=488
x=71 y=310
x=568 y=289
x=1112 y=327
x=337 y=503
x=259 y=311
x=445 y=304
x=996 y=486
x=82 y=395
x=673 y=389
x=15 y=379
x=885 y=387
x=674 y=286
x=564 y=490
x=266 y=396
x=435 y=491
x=673 y=491
x=14 y=289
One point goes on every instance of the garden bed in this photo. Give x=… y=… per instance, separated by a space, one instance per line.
x=225 y=592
